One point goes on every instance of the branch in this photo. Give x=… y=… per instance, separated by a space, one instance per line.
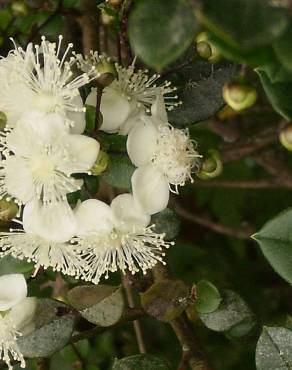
x=243 y=233
x=89 y=23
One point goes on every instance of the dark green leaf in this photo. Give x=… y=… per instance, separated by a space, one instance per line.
x=233 y=311
x=245 y=23
x=166 y=222
x=160 y=31
x=101 y=305
x=141 y=362
x=53 y=328
x=200 y=89
x=208 y=297
x=275 y=240
x=274 y=349
x=283 y=50
x=119 y=172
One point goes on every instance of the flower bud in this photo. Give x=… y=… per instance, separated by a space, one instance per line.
x=106 y=18
x=107 y=72
x=100 y=164
x=115 y=2
x=19 y=8
x=211 y=166
x=3 y=120
x=239 y=95
x=286 y=137
x=8 y=210
x=206 y=49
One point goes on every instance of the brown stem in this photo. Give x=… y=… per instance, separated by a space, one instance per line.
x=136 y=323
x=89 y=23
x=244 y=233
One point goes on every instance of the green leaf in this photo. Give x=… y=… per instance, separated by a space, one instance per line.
x=233 y=311
x=101 y=305
x=90 y=118
x=112 y=142
x=279 y=94
x=208 y=297
x=283 y=50
x=275 y=240
x=141 y=362
x=53 y=328
x=9 y=265
x=200 y=90
x=274 y=349
x=160 y=31
x=166 y=222
x=166 y=299
x=119 y=172
x=245 y=23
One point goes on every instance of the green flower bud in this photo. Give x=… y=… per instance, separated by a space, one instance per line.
x=239 y=95
x=100 y=164
x=285 y=137
x=115 y=2
x=211 y=166
x=19 y=8
x=206 y=49
x=107 y=19
x=8 y=210
x=3 y=120
x=107 y=72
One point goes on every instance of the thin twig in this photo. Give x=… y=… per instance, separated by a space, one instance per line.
x=136 y=323
x=243 y=233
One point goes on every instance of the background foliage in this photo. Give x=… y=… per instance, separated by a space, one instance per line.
x=223 y=291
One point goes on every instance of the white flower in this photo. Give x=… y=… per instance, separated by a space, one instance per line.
x=16 y=317
x=45 y=239
x=38 y=78
x=164 y=155
x=128 y=97
x=116 y=237
x=40 y=157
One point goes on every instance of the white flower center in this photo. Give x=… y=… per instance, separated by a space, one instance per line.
x=175 y=155
x=46 y=101
x=42 y=167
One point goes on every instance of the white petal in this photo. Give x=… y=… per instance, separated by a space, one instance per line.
x=132 y=120
x=142 y=142
x=18 y=179
x=13 y=289
x=128 y=212
x=83 y=152
x=158 y=109
x=150 y=189
x=23 y=314
x=54 y=222
x=114 y=107
x=93 y=215
x=78 y=118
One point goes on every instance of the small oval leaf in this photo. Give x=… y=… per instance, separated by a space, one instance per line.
x=208 y=297
x=141 y=362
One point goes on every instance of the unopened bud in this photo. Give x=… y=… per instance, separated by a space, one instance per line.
x=115 y=2
x=239 y=95
x=8 y=210
x=3 y=120
x=100 y=164
x=19 y=8
x=286 y=137
x=107 y=19
x=211 y=166
x=206 y=49
x=107 y=72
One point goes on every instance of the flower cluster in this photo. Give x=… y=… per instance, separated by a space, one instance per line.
x=45 y=154
x=16 y=317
